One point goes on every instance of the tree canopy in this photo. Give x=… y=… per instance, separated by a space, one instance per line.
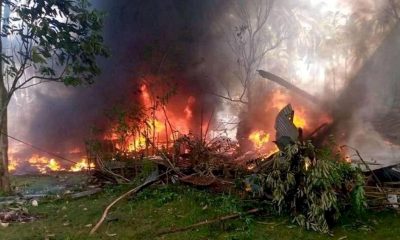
x=51 y=40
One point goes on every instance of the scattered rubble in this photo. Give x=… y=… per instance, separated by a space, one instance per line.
x=297 y=179
x=15 y=214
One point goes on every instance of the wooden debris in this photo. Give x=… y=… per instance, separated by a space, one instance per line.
x=16 y=214
x=288 y=85
x=85 y=193
x=148 y=182
x=198 y=180
x=207 y=222
x=378 y=182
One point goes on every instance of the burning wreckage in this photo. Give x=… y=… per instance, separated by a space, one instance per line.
x=308 y=176
x=287 y=150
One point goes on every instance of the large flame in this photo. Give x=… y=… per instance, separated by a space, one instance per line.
x=332 y=65
x=163 y=125
x=161 y=128
x=139 y=142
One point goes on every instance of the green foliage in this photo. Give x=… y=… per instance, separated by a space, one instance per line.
x=314 y=186
x=139 y=217
x=127 y=123
x=57 y=41
x=161 y=195
x=136 y=120
x=358 y=195
x=148 y=167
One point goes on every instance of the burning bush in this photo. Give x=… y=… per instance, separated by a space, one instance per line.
x=314 y=186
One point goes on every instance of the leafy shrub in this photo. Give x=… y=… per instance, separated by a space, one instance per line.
x=313 y=186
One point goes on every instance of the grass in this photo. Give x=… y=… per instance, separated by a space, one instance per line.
x=54 y=183
x=162 y=207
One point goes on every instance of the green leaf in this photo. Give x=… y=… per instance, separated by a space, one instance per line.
x=37 y=57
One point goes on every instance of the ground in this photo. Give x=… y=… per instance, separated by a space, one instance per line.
x=161 y=207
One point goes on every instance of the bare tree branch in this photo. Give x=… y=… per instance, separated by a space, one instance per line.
x=249 y=45
x=230 y=98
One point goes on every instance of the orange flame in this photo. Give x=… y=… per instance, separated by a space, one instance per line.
x=158 y=129
x=304 y=117
x=39 y=162
x=259 y=138
x=299 y=121
x=139 y=142
x=12 y=165
x=188 y=109
x=82 y=165
x=54 y=166
x=45 y=165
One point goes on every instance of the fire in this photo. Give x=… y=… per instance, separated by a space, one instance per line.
x=145 y=94
x=281 y=99
x=179 y=119
x=299 y=121
x=259 y=138
x=278 y=100
x=45 y=165
x=188 y=109
x=39 y=162
x=305 y=117
x=164 y=123
x=12 y=165
x=53 y=165
x=300 y=117
x=274 y=150
x=136 y=143
x=82 y=165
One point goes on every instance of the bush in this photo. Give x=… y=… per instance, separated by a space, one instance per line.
x=314 y=186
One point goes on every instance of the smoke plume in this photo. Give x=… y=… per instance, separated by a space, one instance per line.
x=186 y=44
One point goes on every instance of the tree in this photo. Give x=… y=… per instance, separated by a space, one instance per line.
x=253 y=38
x=48 y=41
x=250 y=42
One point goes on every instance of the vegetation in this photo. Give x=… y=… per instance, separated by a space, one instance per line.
x=314 y=187
x=47 y=41
x=176 y=205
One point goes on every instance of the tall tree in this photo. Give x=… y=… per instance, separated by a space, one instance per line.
x=47 y=41
x=253 y=39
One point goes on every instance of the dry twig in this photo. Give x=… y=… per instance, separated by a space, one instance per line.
x=132 y=191
x=379 y=184
x=206 y=222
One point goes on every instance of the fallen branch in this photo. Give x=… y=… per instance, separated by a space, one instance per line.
x=378 y=182
x=104 y=169
x=206 y=222
x=85 y=193
x=171 y=166
x=132 y=191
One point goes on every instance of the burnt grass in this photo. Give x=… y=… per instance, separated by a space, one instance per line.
x=164 y=206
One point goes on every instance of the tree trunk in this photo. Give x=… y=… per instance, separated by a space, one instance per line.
x=4 y=175
x=245 y=125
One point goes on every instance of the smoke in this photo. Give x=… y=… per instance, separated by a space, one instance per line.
x=368 y=109
x=143 y=36
x=185 y=44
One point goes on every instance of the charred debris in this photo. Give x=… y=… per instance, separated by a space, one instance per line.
x=307 y=177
